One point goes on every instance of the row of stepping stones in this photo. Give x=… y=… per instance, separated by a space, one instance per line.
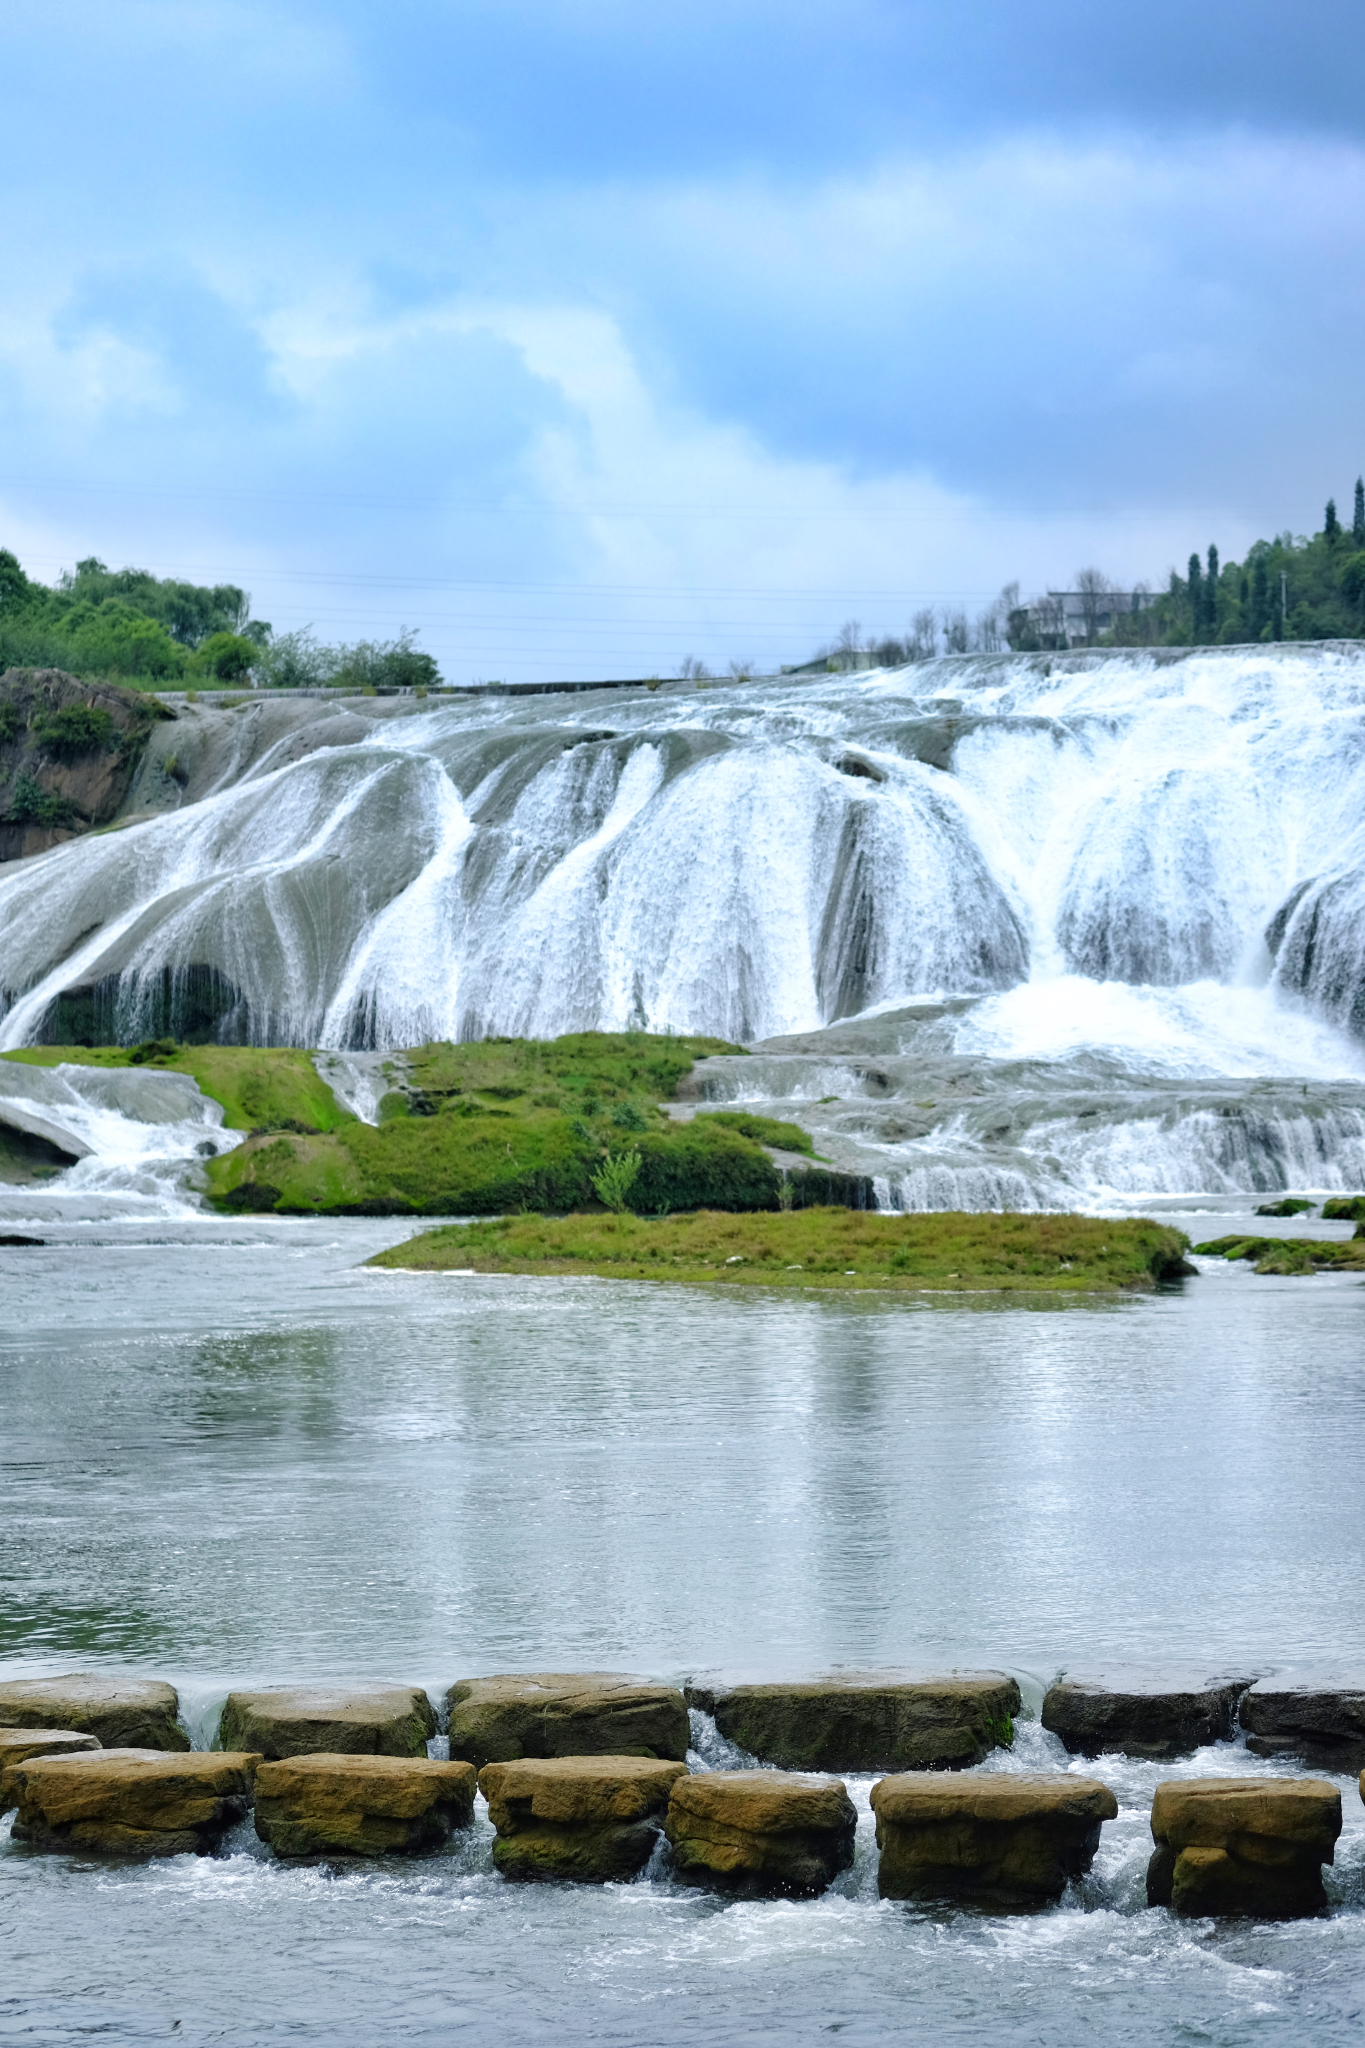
x=849 y=1723
x=345 y=1773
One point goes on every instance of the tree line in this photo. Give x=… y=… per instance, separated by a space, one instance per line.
x=156 y=631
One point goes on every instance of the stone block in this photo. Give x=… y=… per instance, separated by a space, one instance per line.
x=549 y=1714
x=586 y=1818
x=1322 y=1725
x=1247 y=1846
x=129 y=1802
x=999 y=1838
x=17 y=1745
x=121 y=1713
x=383 y=1720
x=1143 y=1713
x=867 y=1724
x=766 y=1834
x=361 y=1805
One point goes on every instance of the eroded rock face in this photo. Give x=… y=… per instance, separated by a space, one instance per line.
x=566 y=1714
x=1145 y=1715
x=1248 y=1846
x=384 y=1720
x=361 y=1805
x=121 y=1713
x=129 y=1802
x=17 y=1745
x=767 y=1834
x=586 y=1818
x=873 y=1724
x=1001 y=1840
x=1322 y=1725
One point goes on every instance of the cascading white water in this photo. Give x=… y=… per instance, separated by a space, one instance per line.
x=131 y=1132
x=1155 y=862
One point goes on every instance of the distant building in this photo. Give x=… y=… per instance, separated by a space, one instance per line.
x=1075 y=618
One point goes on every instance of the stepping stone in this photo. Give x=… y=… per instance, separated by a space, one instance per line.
x=867 y=1724
x=361 y=1805
x=551 y=1713
x=1248 y=1846
x=17 y=1745
x=1141 y=1713
x=1001 y=1838
x=121 y=1713
x=1322 y=1725
x=586 y=1818
x=767 y=1834
x=384 y=1720
x=129 y=1802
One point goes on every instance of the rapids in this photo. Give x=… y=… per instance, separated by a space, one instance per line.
x=1095 y=923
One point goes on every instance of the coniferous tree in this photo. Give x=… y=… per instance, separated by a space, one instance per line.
x=1196 y=590
x=1211 y=594
x=1358 y=519
x=1331 y=525
x=1260 y=598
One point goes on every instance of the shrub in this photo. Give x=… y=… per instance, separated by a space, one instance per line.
x=614 y=1183
x=75 y=730
x=229 y=656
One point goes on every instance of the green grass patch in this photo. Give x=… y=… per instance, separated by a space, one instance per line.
x=845 y=1249
x=1290 y=1254
x=764 y=1130
x=259 y=1088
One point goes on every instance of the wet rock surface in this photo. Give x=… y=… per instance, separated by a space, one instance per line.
x=386 y=1720
x=1001 y=1840
x=590 y=1819
x=867 y=1724
x=17 y=1745
x=129 y=1802
x=1245 y=1846
x=1323 y=1725
x=122 y=1713
x=1143 y=1714
x=315 y=1806
x=565 y=1714
x=762 y=1833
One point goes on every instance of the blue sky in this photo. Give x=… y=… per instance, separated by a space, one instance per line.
x=585 y=336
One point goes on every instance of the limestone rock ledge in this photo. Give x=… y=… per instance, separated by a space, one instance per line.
x=565 y=1714
x=385 y=1720
x=1142 y=1714
x=129 y=1802
x=121 y=1713
x=1246 y=1846
x=1001 y=1839
x=323 y=1805
x=590 y=1819
x=1323 y=1725
x=17 y=1745
x=867 y=1724
x=767 y=1834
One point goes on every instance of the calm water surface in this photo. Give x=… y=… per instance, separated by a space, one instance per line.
x=230 y=1456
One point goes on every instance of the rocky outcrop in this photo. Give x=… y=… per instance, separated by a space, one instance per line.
x=767 y=1834
x=68 y=753
x=590 y=1819
x=1142 y=1714
x=1323 y=1725
x=867 y=1724
x=384 y=1720
x=569 y=1714
x=317 y=1806
x=1000 y=1839
x=127 y=1713
x=17 y=1745
x=1248 y=1846
x=129 y=1802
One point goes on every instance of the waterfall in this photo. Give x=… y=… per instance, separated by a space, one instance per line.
x=1152 y=860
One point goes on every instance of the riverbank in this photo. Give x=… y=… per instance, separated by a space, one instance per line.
x=845 y=1249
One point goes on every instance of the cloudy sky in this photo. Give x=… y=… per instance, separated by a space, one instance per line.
x=583 y=335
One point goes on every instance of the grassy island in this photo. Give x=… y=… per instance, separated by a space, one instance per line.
x=848 y=1249
x=1291 y=1254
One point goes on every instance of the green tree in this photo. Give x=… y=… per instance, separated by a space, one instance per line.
x=228 y=656
x=1331 y=525
x=1358 y=516
x=1211 y=594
